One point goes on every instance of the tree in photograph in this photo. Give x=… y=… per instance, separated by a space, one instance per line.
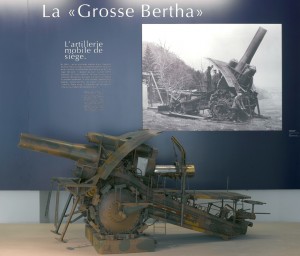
x=148 y=60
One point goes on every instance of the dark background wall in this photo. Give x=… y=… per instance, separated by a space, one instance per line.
x=33 y=101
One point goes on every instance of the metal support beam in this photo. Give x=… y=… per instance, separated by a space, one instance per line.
x=69 y=219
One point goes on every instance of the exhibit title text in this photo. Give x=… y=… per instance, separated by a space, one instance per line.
x=146 y=11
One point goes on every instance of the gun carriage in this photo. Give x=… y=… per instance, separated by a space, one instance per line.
x=117 y=187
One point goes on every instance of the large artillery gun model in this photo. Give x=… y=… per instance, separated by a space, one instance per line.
x=230 y=97
x=119 y=190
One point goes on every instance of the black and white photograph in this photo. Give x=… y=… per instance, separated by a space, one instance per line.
x=212 y=77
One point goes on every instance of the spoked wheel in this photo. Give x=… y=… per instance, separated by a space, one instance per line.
x=250 y=105
x=111 y=215
x=221 y=109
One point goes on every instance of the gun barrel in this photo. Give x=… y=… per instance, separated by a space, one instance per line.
x=59 y=148
x=253 y=46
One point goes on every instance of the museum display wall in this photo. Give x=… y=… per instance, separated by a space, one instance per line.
x=118 y=113
x=47 y=91
x=73 y=67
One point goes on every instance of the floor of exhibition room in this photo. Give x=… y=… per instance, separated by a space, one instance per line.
x=269 y=238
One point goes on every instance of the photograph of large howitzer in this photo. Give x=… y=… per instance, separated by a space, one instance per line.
x=119 y=190
x=234 y=98
x=230 y=97
x=219 y=92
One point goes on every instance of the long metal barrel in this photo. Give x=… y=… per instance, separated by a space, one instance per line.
x=253 y=46
x=59 y=148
